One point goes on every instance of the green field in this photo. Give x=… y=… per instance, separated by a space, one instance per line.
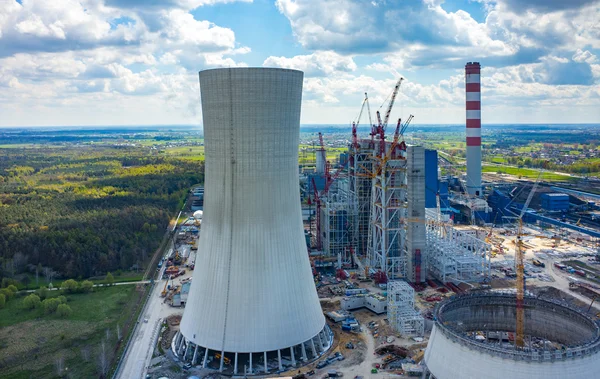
x=527 y=173
x=33 y=344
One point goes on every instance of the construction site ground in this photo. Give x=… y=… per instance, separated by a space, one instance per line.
x=547 y=281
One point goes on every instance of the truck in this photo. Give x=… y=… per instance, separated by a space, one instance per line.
x=580 y=273
x=538 y=263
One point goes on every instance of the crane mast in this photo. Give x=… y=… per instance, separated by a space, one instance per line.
x=392 y=99
x=519 y=340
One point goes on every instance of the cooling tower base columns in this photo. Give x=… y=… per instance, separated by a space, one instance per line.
x=256 y=363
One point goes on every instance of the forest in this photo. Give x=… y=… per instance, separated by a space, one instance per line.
x=78 y=211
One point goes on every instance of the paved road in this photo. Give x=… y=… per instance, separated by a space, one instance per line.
x=145 y=335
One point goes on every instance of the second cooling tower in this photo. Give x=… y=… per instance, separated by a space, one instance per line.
x=252 y=299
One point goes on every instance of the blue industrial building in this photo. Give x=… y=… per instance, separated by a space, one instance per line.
x=319 y=182
x=431 y=178
x=343 y=160
x=499 y=202
x=555 y=201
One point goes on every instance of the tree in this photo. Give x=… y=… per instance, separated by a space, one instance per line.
x=62 y=299
x=32 y=301
x=26 y=279
x=8 y=294
x=64 y=310
x=12 y=288
x=50 y=305
x=42 y=292
x=2 y=300
x=87 y=286
x=110 y=279
x=70 y=285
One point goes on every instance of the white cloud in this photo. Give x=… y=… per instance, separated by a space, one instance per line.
x=321 y=63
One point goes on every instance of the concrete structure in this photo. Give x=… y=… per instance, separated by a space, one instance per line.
x=321 y=160
x=460 y=346
x=252 y=302
x=473 y=106
x=416 y=245
x=375 y=303
x=402 y=315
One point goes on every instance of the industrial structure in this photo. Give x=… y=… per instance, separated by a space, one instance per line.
x=473 y=108
x=402 y=315
x=252 y=307
x=473 y=338
x=372 y=213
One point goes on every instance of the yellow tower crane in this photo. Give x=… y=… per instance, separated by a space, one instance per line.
x=519 y=340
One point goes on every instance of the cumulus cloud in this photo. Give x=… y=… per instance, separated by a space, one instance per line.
x=317 y=64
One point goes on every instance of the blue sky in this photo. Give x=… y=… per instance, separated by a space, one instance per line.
x=135 y=62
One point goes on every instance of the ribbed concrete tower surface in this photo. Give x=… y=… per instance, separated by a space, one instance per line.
x=473 y=105
x=252 y=289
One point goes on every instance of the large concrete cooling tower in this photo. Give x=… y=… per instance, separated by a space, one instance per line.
x=473 y=338
x=252 y=305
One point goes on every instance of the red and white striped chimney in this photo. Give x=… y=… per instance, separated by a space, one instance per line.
x=473 y=91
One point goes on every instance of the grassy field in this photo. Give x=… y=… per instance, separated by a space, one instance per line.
x=32 y=344
x=527 y=173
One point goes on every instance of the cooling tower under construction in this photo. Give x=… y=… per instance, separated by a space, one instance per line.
x=253 y=306
x=473 y=338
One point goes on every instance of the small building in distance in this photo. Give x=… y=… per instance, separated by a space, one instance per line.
x=375 y=303
x=555 y=201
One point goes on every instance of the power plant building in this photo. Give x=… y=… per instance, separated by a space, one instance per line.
x=253 y=302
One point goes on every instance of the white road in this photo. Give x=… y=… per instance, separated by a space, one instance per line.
x=144 y=336
x=364 y=368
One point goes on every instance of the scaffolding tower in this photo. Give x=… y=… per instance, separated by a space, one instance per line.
x=456 y=256
x=360 y=165
x=387 y=233
x=338 y=218
x=401 y=309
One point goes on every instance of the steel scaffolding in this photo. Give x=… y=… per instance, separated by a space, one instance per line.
x=401 y=309
x=360 y=186
x=338 y=215
x=454 y=255
x=387 y=232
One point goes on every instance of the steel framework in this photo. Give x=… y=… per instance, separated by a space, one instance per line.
x=360 y=164
x=338 y=215
x=401 y=309
x=455 y=255
x=387 y=232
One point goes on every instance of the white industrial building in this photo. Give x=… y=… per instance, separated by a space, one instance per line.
x=375 y=303
x=252 y=305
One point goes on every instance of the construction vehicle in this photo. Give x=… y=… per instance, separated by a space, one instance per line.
x=538 y=263
x=164 y=291
x=225 y=359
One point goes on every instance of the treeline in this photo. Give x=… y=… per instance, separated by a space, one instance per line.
x=580 y=167
x=57 y=211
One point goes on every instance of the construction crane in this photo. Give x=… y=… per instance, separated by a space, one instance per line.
x=519 y=340
x=391 y=104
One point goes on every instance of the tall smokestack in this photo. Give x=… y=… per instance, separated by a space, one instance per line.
x=473 y=104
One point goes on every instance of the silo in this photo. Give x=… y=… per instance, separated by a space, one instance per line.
x=253 y=305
